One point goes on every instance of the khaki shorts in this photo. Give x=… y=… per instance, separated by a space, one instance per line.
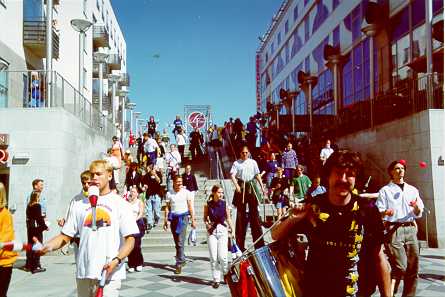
x=87 y=287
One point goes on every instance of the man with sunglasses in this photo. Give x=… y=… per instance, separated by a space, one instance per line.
x=341 y=227
x=243 y=173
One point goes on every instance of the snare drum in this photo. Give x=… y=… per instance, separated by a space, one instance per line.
x=237 y=280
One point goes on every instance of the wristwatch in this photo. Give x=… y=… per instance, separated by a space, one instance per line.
x=119 y=260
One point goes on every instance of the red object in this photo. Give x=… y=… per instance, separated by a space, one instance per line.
x=197 y=119
x=248 y=288
x=390 y=212
x=3 y=156
x=100 y=292
x=403 y=162
x=413 y=202
x=131 y=140
x=100 y=289
x=422 y=164
x=15 y=246
x=93 y=200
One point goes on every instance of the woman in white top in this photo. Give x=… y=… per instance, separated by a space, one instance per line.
x=180 y=142
x=135 y=259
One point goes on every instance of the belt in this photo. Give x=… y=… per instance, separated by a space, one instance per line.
x=405 y=224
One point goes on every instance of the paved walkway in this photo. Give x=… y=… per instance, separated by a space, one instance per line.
x=158 y=280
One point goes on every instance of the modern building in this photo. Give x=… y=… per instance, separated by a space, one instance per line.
x=50 y=123
x=368 y=74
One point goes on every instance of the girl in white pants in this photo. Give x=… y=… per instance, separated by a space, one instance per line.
x=217 y=220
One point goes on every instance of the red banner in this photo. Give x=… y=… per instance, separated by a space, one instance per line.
x=258 y=84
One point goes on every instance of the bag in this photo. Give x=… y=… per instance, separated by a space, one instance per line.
x=192 y=237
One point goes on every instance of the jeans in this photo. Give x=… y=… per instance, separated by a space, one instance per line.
x=404 y=258
x=153 y=206
x=217 y=243
x=179 y=240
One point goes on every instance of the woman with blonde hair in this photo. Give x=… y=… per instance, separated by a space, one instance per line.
x=218 y=223
x=7 y=258
x=35 y=225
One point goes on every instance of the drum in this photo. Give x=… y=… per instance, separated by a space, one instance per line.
x=290 y=257
x=238 y=280
x=267 y=278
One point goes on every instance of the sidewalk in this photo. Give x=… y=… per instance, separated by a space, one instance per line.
x=158 y=280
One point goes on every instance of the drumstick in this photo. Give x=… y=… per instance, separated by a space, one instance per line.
x=100 y=289
x=244 y=190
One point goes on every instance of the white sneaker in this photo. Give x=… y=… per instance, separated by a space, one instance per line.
x=139 y=268
x=130 y=270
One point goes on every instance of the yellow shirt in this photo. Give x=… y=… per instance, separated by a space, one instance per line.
x=7 y=258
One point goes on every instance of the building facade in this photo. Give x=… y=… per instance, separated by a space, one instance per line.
x=51 y=119
x=368 y=74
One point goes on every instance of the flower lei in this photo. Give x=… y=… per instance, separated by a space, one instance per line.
x=356 y=236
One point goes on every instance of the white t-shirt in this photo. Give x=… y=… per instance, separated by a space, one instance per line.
x=114 y=222
x=178 y=200
x=173 y=159
x=180 y=139
x=245 y=170
x=135 y=207
x=150 y=145
x=326 y=152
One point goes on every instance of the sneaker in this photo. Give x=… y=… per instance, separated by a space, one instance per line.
x=131 y=270
x=178 y=269
x=139 y=268
x=215 y=285
x=38 y=269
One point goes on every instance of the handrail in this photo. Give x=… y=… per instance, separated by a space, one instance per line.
x=227 y=137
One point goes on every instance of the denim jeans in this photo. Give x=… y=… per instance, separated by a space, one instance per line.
x=179 y=241
x=153 y=206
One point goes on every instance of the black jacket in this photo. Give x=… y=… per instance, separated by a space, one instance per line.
x=189 y=181
x=133 y=181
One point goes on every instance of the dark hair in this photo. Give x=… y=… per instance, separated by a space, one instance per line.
x=215 y=188
x=176 y=176
x=342 y=159
x=36 y=181
x=392 y=164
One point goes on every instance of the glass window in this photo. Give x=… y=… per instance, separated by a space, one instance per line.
x=279 y=39
x=3 y=83
x=336 y=36
x=418 y=42
x=286 y=27
x=287 y=52
x=348 y=86
x=307 y=64
x=306 y=29
x=437 y=5
x=358 y=73
x=335 y=3
x=356 y=22
x=418 y=12
x=296 y=11
x=400 y=24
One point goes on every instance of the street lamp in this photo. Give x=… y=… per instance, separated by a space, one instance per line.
x=81 y=26
x=114 y=78
x=123 y=94
x=100 y=58
x=131 y=106
x=136 y=115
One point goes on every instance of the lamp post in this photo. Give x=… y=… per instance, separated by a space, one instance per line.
x=100 y=58
x=131 y=106
x=49 y=50
x=136 y=115
x=114 y=78
x=81 y=26
x=123 y=94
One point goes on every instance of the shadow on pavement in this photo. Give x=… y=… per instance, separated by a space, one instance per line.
x=187 y=279
x=194 y=258
x=160 y=266
x=431 y=277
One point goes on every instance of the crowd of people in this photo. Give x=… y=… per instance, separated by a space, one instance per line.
x=356 y=241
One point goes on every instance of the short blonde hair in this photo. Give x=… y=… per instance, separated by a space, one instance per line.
x=101 y=163
x=3 y=201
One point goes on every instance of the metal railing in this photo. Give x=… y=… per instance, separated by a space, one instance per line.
x=407 y=97
x=28 y=89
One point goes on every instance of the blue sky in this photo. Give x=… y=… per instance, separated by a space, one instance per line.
x=193 y=52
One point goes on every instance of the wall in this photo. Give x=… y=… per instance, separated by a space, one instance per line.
x=416 y=138
x=59 y=147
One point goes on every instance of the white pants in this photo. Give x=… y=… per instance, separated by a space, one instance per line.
x=87 y=287
x=218 y=249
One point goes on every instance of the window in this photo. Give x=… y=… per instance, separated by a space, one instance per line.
x=306 y=29
x=279 y=39
x=356 y=22
x=335 y=3
x=286 y=27
x=296 y=12
x=336 y=36
x=3 y=83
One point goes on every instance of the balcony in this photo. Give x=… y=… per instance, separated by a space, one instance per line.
x=105 y=97
x=100 y=36
x=34 y=38
x=125 y=79
x=114 y=62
